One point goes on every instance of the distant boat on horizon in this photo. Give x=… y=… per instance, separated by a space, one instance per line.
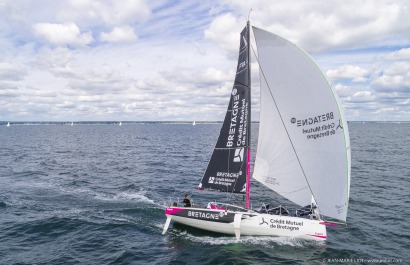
x=120 y=124
x=72 y=123
x=193 y=123
x=8 y=124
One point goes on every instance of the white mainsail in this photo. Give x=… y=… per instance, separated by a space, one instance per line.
x=303 y=145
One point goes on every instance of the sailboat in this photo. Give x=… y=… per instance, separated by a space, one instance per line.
x=303 y=150
x=8 y=124
x=120 y=124
x=193 y=123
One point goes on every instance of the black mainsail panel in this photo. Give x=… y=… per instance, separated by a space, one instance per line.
x=227 y=168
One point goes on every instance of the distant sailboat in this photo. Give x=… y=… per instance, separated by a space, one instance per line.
x=8 y=124
x=72 y=123
x=193 y=123
x=120 y=124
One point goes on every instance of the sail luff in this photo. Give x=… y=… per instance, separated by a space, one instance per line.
x=248 y=180
x=248 y=160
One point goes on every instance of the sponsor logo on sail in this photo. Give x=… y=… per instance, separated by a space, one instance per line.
x=340 y=125
x=226 y=179
x=234 y=118
x=320 y=126
x=238 y=157
x=313 y=120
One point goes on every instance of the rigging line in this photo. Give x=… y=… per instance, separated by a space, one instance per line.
x=283 y=123
x=241 y=84
x=230 y=148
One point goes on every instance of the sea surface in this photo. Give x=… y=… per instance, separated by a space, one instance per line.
x=96 y=194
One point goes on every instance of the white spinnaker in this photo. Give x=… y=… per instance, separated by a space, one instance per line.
x=302 y=150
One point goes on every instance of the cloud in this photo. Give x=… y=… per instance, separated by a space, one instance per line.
x=157 y=60
x=317 y=25
x=387 y=83
x=394 y=78
x=63 y=34
x=363 y=96
x=225 y=30
x=355 y=73
x=11 y=72
x=119 y=34
x=111 y=13
x=402 y=54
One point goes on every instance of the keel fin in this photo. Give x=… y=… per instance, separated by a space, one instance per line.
x=166 y=225
x=237 y=225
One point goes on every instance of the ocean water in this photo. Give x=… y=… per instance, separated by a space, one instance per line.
x=95 y=194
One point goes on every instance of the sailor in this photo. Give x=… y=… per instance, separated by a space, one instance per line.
x=187 y=202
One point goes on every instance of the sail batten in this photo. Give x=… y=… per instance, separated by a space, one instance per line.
x=303 y=144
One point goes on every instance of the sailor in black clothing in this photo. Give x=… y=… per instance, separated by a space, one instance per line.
x=187 y=202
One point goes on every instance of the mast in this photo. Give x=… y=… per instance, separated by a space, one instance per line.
x=248 y=162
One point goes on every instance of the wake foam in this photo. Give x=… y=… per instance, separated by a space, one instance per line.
x=140 y=197
x=266 y=241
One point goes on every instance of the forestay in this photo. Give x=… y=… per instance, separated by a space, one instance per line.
x=303 y=144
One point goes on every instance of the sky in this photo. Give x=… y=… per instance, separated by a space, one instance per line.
x=165 y=60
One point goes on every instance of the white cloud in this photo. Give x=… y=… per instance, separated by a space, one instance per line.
x=11 y=72
x=363 y=96
x=225 y=30
x=384 y=110
x=63 y=34
x=402 y=54
x=355 y=73
x=319 y=25
x=112 y=13
x=395 y=78
x=398 y=68
x=119 y=34
x=392 y=83
x=183 y=65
